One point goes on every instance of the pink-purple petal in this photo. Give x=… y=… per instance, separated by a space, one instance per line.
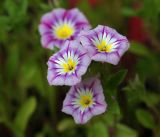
x=118 y=42
x=57 y=17
x=99 y=109
x=81 y=118
x=56 y=72
x=94 y=88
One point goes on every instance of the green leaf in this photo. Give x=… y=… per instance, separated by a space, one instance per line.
x=114 y=107
x=23 y=7
x=3 y=113
x=114 y=113
x=139 y=49
x=46 y=131
x=11 y=7
x=27 y=74
x=16 y=8
x=98 y=129
x=23 y=115
x=45 y=7
x=145 y=118
x=12 y=63
x=151 y=99
x=128 y=12
x=4 y=22
x=40 y=135
x=125 y=131
x=66 y=124
x=135 y=90
x=116 y=79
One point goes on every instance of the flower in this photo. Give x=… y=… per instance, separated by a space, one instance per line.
x=68 y=65
x=60 y=25
x=104 y=44
x=85 y=100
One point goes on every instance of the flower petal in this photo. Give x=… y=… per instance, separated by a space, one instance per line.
x=104 y=44
x=60 y=25
x=85 y=100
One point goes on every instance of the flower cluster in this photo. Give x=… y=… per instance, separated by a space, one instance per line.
x=70 y=31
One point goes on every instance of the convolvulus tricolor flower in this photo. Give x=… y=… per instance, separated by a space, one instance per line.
x=85 y=100
x=68 y=65
x=60 y=25
x=104 y=44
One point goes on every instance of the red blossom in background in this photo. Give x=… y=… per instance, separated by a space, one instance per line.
x=94 y=2
x=73 y=3
x=136 y=29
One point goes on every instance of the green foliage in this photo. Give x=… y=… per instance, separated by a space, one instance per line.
x=139 y=49
x=66 y=124
x=135 y=91
x=151 y=13
x=147 y=57
x=12 y=61
x=22 y=117
x=98 y=129
x=30 y=107
x=128 y=12
x=145 y=118
x=125 y=131
x=116 y=79
x=151 y=99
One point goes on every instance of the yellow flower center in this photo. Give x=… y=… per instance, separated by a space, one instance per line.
x=69 y=66
x=86 y=101
x=64 y=31
x=104 y=47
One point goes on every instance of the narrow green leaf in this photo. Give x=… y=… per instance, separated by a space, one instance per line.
x=12 y=63
x=145 y=118
x=98 y=129
x=23 y=7
x=135 y=90
x=11 y=7
x=125 y=131
x=28 y=74
x=65 y=125
x=128 y=12
x=23 y=116
x=113 y=113
x=114 y=107
x=40 y=135
x=139 y=49
x=116 y=79
x=4 y=22
x=151 y=99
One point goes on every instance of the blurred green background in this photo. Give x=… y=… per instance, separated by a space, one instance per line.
x=29 y=107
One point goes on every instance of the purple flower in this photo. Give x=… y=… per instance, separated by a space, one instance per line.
x=68 y=65
x=85 y=100
x=104 y=44
x=60 y=25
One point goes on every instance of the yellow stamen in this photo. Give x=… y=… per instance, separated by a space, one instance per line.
x=64 y=31
x=104 y=47
x=69 y=66
x=86 y=101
